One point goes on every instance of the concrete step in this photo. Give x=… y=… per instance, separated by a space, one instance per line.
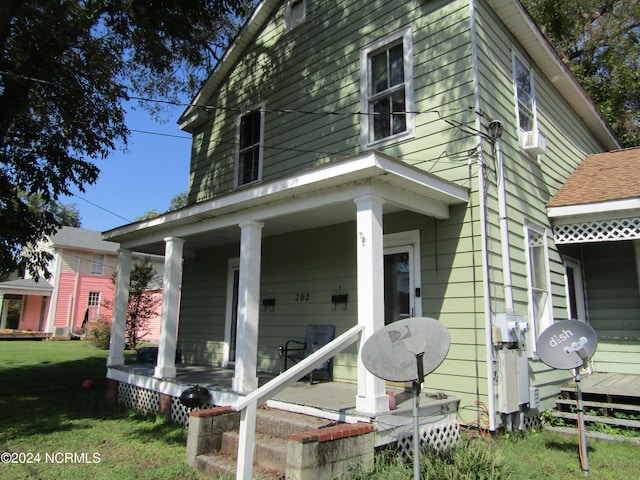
x=282 y=424
x=219 y=464
x=269 y=452
x=273 y=429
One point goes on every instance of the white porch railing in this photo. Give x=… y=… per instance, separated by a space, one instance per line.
x=248 y=405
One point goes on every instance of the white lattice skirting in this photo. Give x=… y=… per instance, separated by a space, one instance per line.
x=532 y=423
x=598 y=231
x=148 y=402
x=438 y=437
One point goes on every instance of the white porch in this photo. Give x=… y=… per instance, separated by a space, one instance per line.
x=333 y=401
x=363 y=188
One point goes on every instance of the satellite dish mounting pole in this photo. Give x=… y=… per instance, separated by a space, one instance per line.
x=417 y=386
x=584 y=454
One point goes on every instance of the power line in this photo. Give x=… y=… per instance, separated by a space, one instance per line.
x=101 y=208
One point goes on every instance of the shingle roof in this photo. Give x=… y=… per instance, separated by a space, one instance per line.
x=82 y=238
x=25 y=284
x=602 y=177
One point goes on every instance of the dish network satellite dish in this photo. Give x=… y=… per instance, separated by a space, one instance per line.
x=567 y=345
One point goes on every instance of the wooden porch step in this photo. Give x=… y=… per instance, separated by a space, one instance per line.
x=605 y=405
x=620 y=422
x=594 y=435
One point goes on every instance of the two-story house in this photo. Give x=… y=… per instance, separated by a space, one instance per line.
x=395 y=155
x=79 y=292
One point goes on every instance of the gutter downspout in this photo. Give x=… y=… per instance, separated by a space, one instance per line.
x=495 y=129
x=491 y=395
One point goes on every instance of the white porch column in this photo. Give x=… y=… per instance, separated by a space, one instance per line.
x=166 y=366
x=371 y=390
x=3 y=314
x=246 y=379
x=118 y=324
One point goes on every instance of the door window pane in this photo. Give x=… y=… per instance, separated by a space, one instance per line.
x=397 y=284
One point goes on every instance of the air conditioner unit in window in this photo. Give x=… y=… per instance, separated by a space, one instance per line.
x=532 y=142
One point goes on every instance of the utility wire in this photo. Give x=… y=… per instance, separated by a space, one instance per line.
x=101 y=208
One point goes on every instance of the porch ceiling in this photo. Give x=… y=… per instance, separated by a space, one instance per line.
x=311 y=198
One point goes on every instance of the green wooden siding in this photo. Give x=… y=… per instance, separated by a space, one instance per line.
x=309 y=83
x=308 y=80
x=530 y=183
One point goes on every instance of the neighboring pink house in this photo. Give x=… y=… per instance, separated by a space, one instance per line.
x=79 y=292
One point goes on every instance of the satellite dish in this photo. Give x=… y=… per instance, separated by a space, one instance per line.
x=567 y=344
x=391 y=352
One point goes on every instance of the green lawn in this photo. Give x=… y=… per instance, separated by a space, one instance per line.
x=55 y=429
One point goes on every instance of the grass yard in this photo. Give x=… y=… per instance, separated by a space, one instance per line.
x=53 y=428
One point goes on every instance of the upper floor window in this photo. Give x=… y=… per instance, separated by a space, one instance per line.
x=295 y=13
x=387 y=89
x=250 y=147
x=525 y=99
x=540 y=306
x=97 y=264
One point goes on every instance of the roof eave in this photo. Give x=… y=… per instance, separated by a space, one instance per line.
x=190 y=119
x=520 y=23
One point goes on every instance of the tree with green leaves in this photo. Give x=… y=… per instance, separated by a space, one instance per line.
x=178 y=201
x=599 y=41
x=143 y=303
x=67 y=67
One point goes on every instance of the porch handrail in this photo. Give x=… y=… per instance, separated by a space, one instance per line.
x=247 y=406
x=279 y=383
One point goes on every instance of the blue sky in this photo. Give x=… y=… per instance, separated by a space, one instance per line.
x=153 y=170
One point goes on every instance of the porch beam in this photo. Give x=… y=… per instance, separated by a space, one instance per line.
x=118 y=324
x=166 y=366
x=371 y=397
x=245 y=379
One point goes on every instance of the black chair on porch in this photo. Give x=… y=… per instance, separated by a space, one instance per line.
x=316 y=337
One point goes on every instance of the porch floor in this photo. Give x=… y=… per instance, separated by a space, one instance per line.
x=619 y=384
x=336 y=398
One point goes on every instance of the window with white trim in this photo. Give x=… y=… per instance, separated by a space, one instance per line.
x=97 y=264
x=386 y=85
x=525 y=94
x=540 y=305
x=574 y=288
x=295 y=13
x=250 y=147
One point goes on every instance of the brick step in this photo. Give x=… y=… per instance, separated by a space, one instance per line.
x=269 y=452
x=219 y=464
x=562 y=403
x=620 y=422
